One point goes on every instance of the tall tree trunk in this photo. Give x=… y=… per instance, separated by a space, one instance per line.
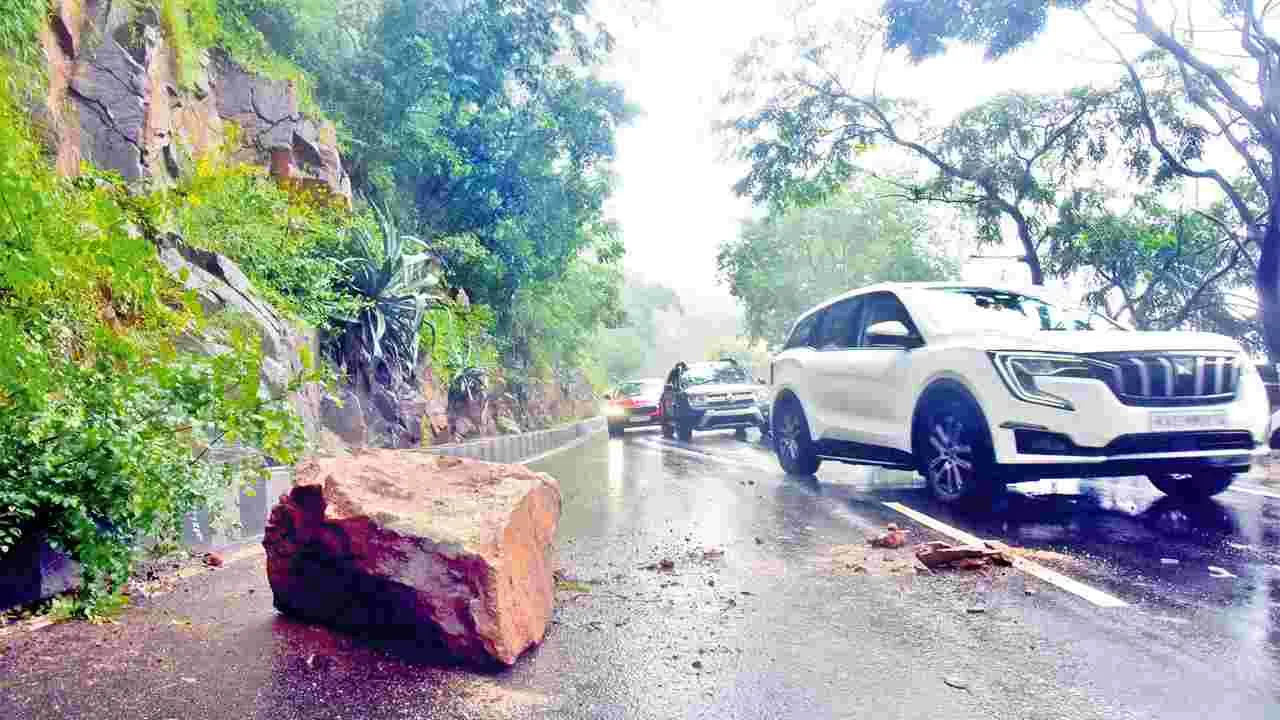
x=1029 y=249
x=1269 y=286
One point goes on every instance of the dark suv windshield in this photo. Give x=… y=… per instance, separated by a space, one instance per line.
x=985 y=308
x=714 y=372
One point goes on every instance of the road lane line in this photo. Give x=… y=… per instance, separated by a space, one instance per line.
x=1255 y=491
x=1075 y=587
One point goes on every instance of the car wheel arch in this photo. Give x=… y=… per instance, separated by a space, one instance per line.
x=941 y=386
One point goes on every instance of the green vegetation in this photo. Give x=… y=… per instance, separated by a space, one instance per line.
x=288 y=244
x=460 y=338
x=396 y=282
x=19 y=25
x=102 y=417
x=480 y=127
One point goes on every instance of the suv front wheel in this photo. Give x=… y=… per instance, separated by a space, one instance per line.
x=1193 y=486
x=954 y=450
x=792 y=440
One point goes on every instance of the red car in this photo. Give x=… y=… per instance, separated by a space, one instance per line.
x=633 y=403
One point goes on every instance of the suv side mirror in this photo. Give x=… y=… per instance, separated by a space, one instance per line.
x=892 y=333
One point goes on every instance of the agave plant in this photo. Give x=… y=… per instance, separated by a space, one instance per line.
x=398 y=282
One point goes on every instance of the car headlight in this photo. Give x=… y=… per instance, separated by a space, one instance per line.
x=1019 y=371
x=696 y=401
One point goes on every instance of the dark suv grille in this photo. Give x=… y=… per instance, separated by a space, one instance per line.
x=1168 y=379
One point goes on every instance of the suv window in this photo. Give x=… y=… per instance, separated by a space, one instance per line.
x=838 y=329
x=803 y=335
x=882 y=307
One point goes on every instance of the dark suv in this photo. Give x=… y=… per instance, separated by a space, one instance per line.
x=714 y=395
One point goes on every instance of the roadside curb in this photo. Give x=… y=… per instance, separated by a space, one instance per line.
x=522 y=447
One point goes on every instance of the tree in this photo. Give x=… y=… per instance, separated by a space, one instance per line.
x=1152 y=266
x=781 y=266
x=1005 y=159
x=1238 y=103
x=626 y=350
x=480 y=123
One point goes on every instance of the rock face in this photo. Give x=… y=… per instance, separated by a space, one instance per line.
x=115 y=99
x=445 y=554
x=32 y=570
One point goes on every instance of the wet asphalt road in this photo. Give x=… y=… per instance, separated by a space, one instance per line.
x=781 y=625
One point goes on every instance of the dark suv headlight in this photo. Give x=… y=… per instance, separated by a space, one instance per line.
x=1019 y=371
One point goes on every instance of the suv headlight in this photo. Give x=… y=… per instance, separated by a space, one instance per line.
x=696 y=400
x=1019 y=371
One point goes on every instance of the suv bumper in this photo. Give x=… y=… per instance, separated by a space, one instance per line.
x=1104 y=437
x=727 y=418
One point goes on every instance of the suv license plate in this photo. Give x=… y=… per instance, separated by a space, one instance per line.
x=1169 y=421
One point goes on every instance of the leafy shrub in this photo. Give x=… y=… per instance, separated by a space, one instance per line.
x=102 y=417
x=191 y=27
x=397 y=282
x=458 y=338
x=19 y=24
x=286 y=244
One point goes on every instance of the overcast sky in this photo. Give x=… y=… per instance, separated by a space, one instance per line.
x=675 y=203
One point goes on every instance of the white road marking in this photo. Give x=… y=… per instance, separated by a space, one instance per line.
x=1075 y=587
x=1254 y=491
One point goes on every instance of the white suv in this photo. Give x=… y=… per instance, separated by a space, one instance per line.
x=978 y=386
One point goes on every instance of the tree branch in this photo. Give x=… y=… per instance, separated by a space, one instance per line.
x=1237 y=200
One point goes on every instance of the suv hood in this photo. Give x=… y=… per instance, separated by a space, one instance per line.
x=718 y=388
x=1093 y=341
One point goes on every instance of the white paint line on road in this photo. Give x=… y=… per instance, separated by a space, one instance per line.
x=1075 y=587
x=1254 y=491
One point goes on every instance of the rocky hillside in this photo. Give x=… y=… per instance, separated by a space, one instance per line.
x=115 y=100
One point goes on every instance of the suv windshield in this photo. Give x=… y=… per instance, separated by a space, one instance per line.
x=640 y=387
x=714 y=372
x=986 y=308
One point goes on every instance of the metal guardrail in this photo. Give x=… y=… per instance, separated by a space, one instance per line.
x=245 y=511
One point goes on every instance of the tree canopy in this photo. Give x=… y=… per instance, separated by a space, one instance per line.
x=780 y=266
x=1235 y=100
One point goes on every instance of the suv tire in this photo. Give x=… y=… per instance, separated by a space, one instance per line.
x=792 y=439
x=953 y=448
x=1193 y=486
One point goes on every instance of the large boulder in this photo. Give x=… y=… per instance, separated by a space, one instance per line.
x=447 y=554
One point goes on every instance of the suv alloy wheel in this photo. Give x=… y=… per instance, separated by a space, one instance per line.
x=954 y=452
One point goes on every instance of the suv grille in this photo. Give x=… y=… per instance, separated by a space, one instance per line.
x=1169 y=379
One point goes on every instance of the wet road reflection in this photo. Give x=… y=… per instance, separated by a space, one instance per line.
x=758 y=616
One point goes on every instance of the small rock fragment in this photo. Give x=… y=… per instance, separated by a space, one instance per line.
x=759 y=541
x=697 y=664
x=975 y=610
x=666 y=564
x=213 y=559
x=894 y=537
